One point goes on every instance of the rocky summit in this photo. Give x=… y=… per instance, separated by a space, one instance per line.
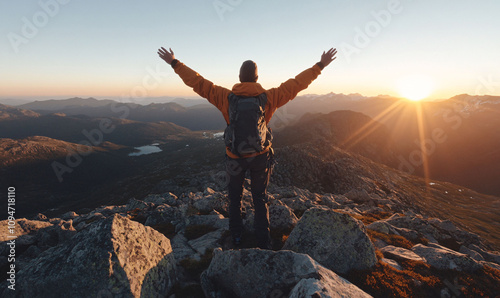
x=264 y=273
x=324 y=245
x=112 y=256
x=336 y=240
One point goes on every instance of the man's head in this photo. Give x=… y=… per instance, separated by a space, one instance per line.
x=248 y=72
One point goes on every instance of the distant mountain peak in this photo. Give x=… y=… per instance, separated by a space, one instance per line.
x=10 y=113
x=475 y=101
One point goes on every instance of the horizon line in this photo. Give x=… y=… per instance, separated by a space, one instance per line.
x=194 y=97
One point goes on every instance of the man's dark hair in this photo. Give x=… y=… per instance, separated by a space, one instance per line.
x=248 y=72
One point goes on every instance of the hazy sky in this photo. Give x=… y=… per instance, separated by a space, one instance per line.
x=64 y=48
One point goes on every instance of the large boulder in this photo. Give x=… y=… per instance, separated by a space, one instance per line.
x=281 y=217
x=335 y=240
x=443 y=258
x=111 y=257
x=265 y=273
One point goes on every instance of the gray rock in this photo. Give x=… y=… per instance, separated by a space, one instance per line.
x=32 y=252
x=350 y=211
x=379 y=243
x=443 y=258
x=94 y=216
x=69 y=215
x=208 y=241
x=299 y=203
x=34 y=236
x=326 y=288
x=164 y=214
x=137 y=204
x=54 y=235
x=416 y=223
x=409 y=234
x=55 y=220
x=358 y=196
x=171 y=199
x=471 y=253
x=399 y=252
x=40 y=216
x=155 y=199
x=214 y=201
x=329 y=201
x=22 y=226
x=214 y=220
x=487 y=255
x=166 y=198
x=82 y=225
x=383 y=226
x=444 y=225
x=434 y=230
x=490 y=264
x=265 y=273
x=111 y=257
x=343 y=200
x=110 y=210
x=25 y=240
x=208 y=191
x=289 y=192
x=181 y=247
x=335 y=240
x=282 y=217
x=392 y=263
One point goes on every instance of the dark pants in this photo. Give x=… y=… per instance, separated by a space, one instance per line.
x=260 y=170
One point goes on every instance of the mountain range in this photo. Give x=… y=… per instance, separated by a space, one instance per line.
x=412 y=235
x=194 y=117
x=466 y=127
x=384 y=129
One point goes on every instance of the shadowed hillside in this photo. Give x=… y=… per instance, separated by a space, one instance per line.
x=10 y=113
x=93 y=130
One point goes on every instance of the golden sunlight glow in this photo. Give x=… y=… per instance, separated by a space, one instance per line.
x=415 y=87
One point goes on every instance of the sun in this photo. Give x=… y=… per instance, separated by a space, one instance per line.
x=415 y=87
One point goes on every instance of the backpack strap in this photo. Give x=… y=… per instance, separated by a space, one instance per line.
x=263 y=101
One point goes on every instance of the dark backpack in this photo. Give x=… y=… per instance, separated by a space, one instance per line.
x=247 y=131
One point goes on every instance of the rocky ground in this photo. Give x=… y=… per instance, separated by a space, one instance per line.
x=324 y=245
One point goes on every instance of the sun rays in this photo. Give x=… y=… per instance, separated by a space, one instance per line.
x=369 y=127
x=403 y=118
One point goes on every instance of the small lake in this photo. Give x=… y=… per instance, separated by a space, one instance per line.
x=148 y=149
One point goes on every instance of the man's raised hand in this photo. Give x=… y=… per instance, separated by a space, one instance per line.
x=328 y=57
x=166 y=55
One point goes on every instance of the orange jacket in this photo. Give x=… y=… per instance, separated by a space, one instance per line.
x=218 y=96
